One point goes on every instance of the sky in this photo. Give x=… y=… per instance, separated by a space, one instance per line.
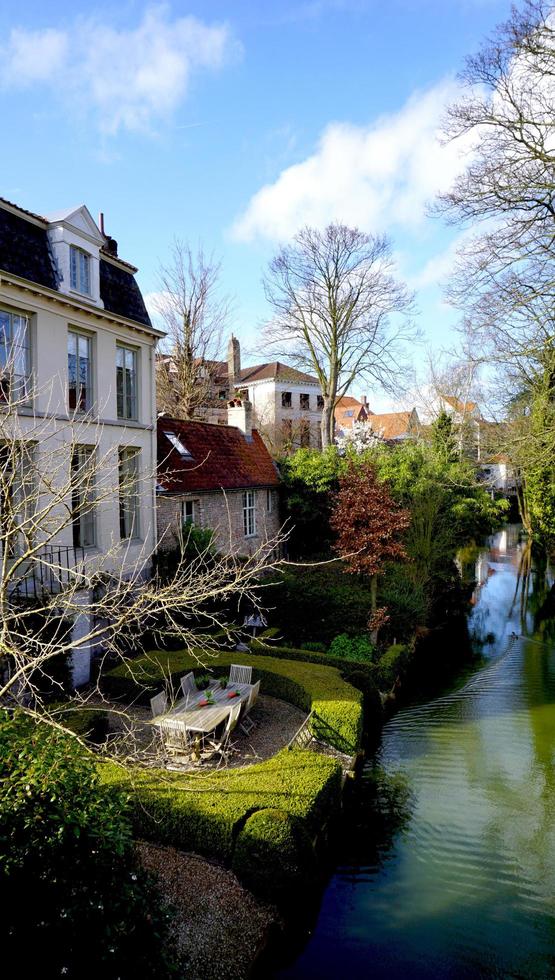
x=231 y=125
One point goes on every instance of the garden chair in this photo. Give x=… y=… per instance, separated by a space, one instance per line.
x=247 y=724
x=239 y=674
x=222 y=746
x=159 y=704
x=188 y=685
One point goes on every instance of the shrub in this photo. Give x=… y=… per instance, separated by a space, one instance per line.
x=371 y=699
x=359 y=648
x=314 y=647
x=391 y=664
x=309 y=686
x=206 y=814
x=274 y=856
x=73 y=901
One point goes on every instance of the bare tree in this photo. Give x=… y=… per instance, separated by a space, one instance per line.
x=195 y=315
x=60 y=598
x=338 y=311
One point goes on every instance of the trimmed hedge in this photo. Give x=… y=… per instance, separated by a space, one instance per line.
x=274 y=856
x=391 y=664
x=312 y=657
x=205 y=812
x=309 y=686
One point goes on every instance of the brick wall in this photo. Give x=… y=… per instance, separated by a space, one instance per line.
x=223 y=514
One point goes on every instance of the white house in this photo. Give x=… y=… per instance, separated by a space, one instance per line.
x=77 y=347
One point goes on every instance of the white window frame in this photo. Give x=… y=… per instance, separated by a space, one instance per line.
x=80 y=337
x=79 y=270
x=129 y=498
x=127 y=353
x=249 y=513
x=15 y=355
x=191 y=505
x=83 y=524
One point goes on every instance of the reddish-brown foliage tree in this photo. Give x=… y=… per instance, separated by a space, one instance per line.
x=369 y=525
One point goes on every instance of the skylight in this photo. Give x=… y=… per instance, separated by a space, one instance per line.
x=177 y=444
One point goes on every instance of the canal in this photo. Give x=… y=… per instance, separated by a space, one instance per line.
x=447 y=863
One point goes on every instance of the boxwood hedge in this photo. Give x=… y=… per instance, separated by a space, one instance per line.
x=310 y=686
x=206 y=812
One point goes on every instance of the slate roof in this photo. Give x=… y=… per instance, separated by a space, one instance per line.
x=220 y=459
x=25 y=252
x=120 y=293
x=277 y=371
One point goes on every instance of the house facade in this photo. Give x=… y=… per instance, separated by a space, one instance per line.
x=77 y=353
x=217 y=477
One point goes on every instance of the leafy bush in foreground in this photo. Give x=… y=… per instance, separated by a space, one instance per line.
x=74 y=903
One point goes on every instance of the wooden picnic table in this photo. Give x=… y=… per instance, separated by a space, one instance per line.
x=186 y=715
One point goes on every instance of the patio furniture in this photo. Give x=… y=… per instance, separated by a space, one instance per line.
x=158 y=704
x=188 y=685
x=196 y=720
x=247 y=724
x=239 y=674
x=222 y=745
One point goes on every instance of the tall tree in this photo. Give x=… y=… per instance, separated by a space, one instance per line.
x=370 y=526
x=195 y=314
x=338 y=311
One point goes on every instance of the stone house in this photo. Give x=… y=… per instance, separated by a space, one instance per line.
x=77 y=347
x=220 y=477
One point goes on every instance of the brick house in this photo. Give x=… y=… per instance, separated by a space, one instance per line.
x=220 y=477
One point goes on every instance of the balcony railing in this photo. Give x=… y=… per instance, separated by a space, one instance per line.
x=50 y=570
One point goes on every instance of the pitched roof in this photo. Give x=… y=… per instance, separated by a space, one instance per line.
x=25 y=253
x=276 y=371
x=349 y=410
x=392 y=425
x=220 y=458
x=463 y=408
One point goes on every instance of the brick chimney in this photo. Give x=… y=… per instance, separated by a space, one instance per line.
x=233 y=363
x=239 y=414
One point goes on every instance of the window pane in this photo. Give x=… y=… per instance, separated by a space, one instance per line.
x=73 y=267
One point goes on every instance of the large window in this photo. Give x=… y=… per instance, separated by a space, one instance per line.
x=79 y=270
x=189 y=511
x=126 y=382
x=14 y=356
x=249 y=513
x=304 y=432
x=17 y=494
x=129 y=493
x=79 y=370
x=83 y=515
x=304 y=402
x=286 y=399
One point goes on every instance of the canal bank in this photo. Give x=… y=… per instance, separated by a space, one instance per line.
x=447 y=855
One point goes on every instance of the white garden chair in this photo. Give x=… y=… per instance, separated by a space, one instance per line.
x=158 y=704
x=188 y=685
x=247 y=724
x=239 y=674
x=222 y=747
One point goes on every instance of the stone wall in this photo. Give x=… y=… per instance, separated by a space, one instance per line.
x=222 y=512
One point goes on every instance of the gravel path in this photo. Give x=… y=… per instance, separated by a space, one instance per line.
x=220 y=926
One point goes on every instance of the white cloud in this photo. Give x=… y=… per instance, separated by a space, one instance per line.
x=375 y=176
x=128 y=78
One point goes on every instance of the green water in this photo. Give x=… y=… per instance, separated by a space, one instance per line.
x=448 y=859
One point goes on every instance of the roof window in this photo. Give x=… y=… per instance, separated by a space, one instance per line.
x=177 y=444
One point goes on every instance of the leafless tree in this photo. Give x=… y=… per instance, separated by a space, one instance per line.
x=195 y=315
x=59 y=598
x=339 y=311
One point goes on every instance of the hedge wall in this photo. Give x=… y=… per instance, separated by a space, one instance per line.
x=309 y=686
x=206 y=812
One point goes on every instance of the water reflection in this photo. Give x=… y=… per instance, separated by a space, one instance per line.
x=461 y=882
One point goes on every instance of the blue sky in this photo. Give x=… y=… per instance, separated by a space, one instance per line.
x=231 y=124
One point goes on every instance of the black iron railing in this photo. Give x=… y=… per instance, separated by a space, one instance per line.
x=49 y=570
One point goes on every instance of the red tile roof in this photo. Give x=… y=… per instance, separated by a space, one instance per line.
x=394 y=425
x=349 y=410
x=220 y=458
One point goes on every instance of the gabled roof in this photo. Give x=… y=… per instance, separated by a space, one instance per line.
x=463 y=408
x=276 y=371
x=220 y=458
x=349 y=410
x=25 y=253
x=394 y=425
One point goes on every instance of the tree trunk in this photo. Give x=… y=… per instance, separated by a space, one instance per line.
x=373 y=605
x=328 y=422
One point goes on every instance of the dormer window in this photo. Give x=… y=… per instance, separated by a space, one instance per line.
x=79 y=270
